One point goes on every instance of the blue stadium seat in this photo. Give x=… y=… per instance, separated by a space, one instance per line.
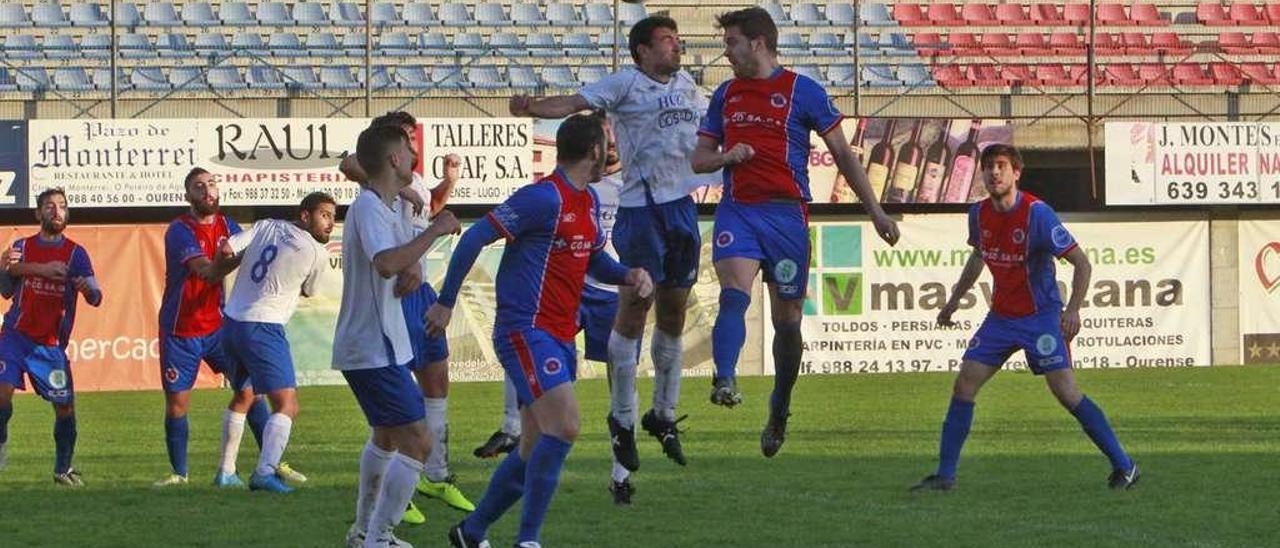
x=6 y=80
x=840 y=14
x=380 y=80
x=792 y=44
x=447 y=77
x=631 y=14
x=13 y=15
x=395 y=44
x=127 y=15
x=310 y=13
x=161 y=14
x=96 y=46
x=420 y=13
x=559 y=77
x=71 y=79
x=808 y=15
x=305 y=77
x=543 y=45
x=31 y=78
x=563 y=14
x=875 y=14
x=896 y=43
x=285 y=44
x=135 y=46
x=456 y=15
x=337 y=78
x=353 y=43
x=779 y=15
x=491 y=14
x=274 y=14
x=61 y=46
x=411 y=77
x=436 y=44
x=249 y=43
x=879 y=76
x=867 y=45
x=523 y=77
x=199 y=14
x=915 y=75
x=236 y=14
x=86 y=14
x=383 y=14
x=212 y=44
x=225 y=78
x=827 y=44
x=149 y=79
x=580 y=44
x=101 y=78
x=174 y=45
x=469 y=44
x=322 y=44
x=812 y=71
x=486 y=78
x=187 y=79
x=48 y=14
x=508 y=44
x=591 y=74
x=260 y=77
x=842 y=76
x=598 y=14
x=347 y=14
x=21 y=46
x=527 y=15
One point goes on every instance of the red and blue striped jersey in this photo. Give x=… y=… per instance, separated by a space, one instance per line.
x=774 y=115
x=44 y=309
x=1019 y=247
x=551 y=230
x=192 y=307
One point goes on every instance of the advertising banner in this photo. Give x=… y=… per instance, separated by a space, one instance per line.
x=1259 y=291
x=1167 y=163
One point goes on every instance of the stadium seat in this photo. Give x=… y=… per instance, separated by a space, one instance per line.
x=187 y=79
x=491 y=14
x=1212 y=14
x=1256 y=73
x=294 y=77
x=418 y=14
x=523 y=77
x=791 y=43
x=827 y=44
x=435 y=44
x=135 y=46
x=1121 y=74
x=1012 y=14
x=274 y=14
x=1032 y=43
x=31 y=78
x=260 y=77
x=909 y=15
x=842 y=76
x=353 y=44
x=211 y=44
x=527 y=15
x=944 y=14
x=1076 y=14
x=1266 y=42
x=1112 y=15
x=915 y=75
x=1066 y=43
x=20 y=46
x=1154 y=74
x=814 y=72
x=508 y=44
x=1244 y=13
x=893 y=43
x=563 y=14
x=149 y=79
x=14 y=15
x=199 y=14
x=543 y=45
x=985 y=75
x=394 y=44
x=101 y=78
x=559 y=77
x=225 y=78
x=580 y=45
x=978 y=14
x=60 y=46
x=1146 y=14
x=285 y=44
x=598 y=14
x=174 y=45
x=96 y=46
x=964 y=43
x=997 y=44
x=7 y=82
x=456 y=15
x=411 y=77
x=630 y=14
x=1226 y=74
x=161 y=14
x=1235 y=43
x=249 y=43
x=779 y=15
x=486 y=78
x=127 y=15
x=1169 y=43
x=447 y=77
x=470 y=44
x=322 y=44
x=1190 y=74
x=86 y=14
x=1047 y=15
x=1135 y=43
x=1105 y=43
x=348 y=14
x=840 y=14
x=949 y=76
x=1018 y=75
x=48 y=14
x=878 y=76
x=927 y=44
x=1054 y=75
x=336 y=78
x=1272 y=11
x=310 y=14
x=807 y=15
x=236 y=14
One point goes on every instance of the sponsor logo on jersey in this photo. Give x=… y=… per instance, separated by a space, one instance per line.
x=785 y=271
x=58 y=379
x=724 y=239
x=171 y=374
x=1046 y=344
x=777 y=100
x=552 y=366
x=1019 y=235
x=1061 y=237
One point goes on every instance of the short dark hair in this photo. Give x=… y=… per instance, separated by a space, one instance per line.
x=578 y=136
x=642 y=32
x=752 y=23
x=1000 y=149
x=48 y=194
x=373 y=145
x=398 y=118
x=191 y=176
x=315 y=200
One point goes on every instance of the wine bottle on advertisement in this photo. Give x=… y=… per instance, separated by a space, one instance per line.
x=841 y=192
x=935 y=167
x=881 y=160
x=963 y=167
x=907 y=171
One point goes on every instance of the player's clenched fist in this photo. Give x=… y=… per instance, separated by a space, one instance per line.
x=445 y=223
x=452 y=165
x=519 y=105
x=740 y=153
x=438 y=317
x=640 y=280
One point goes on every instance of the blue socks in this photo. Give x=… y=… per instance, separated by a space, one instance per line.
x=1099 y=430
x=788 y=350
x=954 y=431
x=730 y=331
x=6 y=413
x=64 y=440
x=540 y=482
x=257 y=418
x=176 y=432
x=505 y=488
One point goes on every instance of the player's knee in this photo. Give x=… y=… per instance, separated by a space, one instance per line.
x=568 y=431
x=630 y=319
x=65 y=410
x=734 y=301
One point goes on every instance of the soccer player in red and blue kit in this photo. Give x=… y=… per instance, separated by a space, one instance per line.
x=48 y=274
x=553 y=239
x=1019 y=238
x=757 y=129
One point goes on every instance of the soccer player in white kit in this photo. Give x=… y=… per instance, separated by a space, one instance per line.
x=282 y=261
x=655 y=108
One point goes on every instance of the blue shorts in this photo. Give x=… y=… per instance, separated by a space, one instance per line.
x=262 y=351
x=46 y=364
x=663 y=239
x=596 y=314
x=535 y=362
x=774 y=233
x=180 y=361
x=388 y=396
x=1039 y=336
x=426 y=350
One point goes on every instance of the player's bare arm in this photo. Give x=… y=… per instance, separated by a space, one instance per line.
x=968 y=276
x=399 y=259
x=1082 y=271
x=547 y=107
x=708 y=158
x=54 y=270
x=440 y=194
x=852 y=171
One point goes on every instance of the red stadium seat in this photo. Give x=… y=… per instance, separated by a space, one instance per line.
x=1012 y=14
x=1235 y=43
x=909 y=15
x=1079 y=74
x=1112 y=15
x=964 y=43
x=1053 y=75
x=1243 y=12
x=1146 y=14
x=1257 y=73
x=1154 y=74
x=1212 y=14
x=1018 y=74
x=978 y=15
x=944 y=14
x=928 y=44
x=1046 y=15
x=1121 y=74
x=1105 y=43
x=985 y=75
x=1135 y=43
x=1190 y=74
x=1272 y=10
x=1076 y=14
x=1169 y=43
x=1267 y=43
x=997 y=44
x=949 y=76
x=1032 y=43
x=1226 y=74
x=1066 y=43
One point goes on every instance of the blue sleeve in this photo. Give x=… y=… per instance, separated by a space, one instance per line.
x=180 y=244
x=817 y=110
x=1049 y=233
x=713 y=122
x=973 y=226
x=82 y=267
x=533 y=207
x=605 y=268
x=233 y=227
x=464 y=257
x=8 y=285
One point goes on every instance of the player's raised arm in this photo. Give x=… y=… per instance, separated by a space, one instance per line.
x=464 y=257
x=853 y=173
x=393 y=261
x=547 y=107
x=440 y=194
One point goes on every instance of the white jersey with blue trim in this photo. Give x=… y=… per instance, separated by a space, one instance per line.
x=608 y=189
x=413 y=222
x=656 y=126
x=280 y=260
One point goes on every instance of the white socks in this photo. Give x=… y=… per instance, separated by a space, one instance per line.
x=232 y=431
x=668 y=360
x=393 y=498
x=275 y=436
x=510 y=409
x=437 y=466
x=624 y=354
x=373 y=465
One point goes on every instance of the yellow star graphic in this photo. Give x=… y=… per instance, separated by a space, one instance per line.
x=1255 y=351
x=1274 y=350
